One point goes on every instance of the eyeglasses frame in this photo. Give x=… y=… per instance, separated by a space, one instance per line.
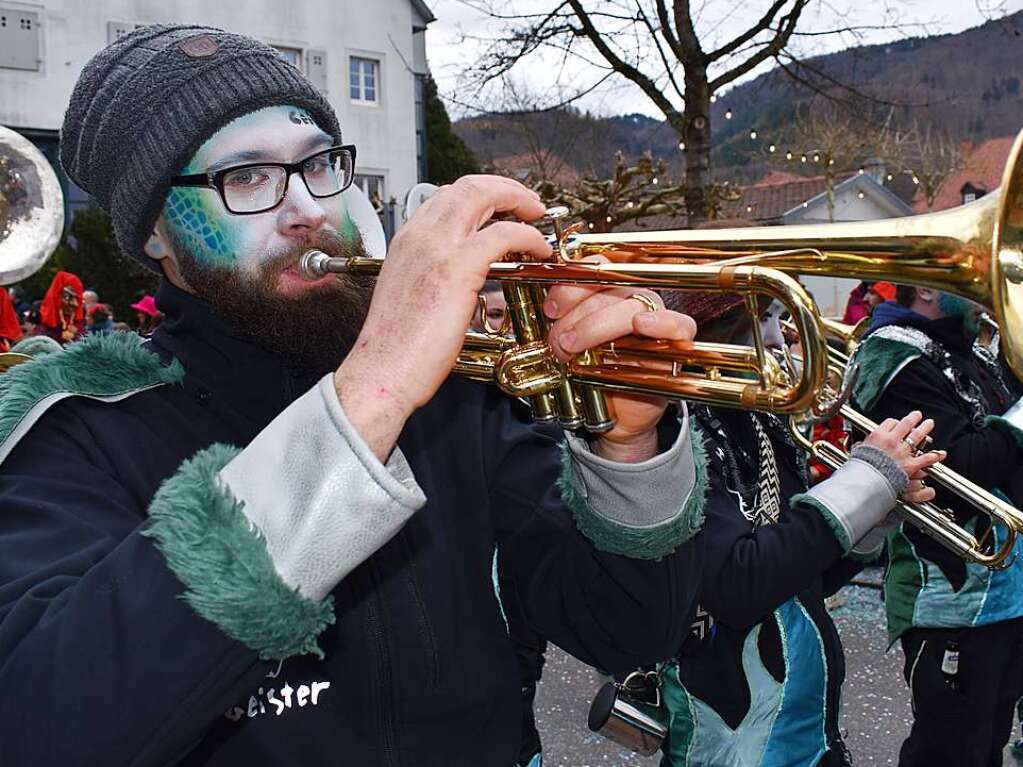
x=216 y=180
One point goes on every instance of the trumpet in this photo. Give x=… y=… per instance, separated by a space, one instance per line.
x=975 y=251
x=934 y=521
x=572 y=393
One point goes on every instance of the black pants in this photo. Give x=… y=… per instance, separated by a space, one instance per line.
x=962 y=717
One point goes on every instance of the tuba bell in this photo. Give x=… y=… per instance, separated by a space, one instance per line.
x=31 y=215
x=31 y=208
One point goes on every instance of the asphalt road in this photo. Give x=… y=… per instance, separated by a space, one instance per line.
x=876 y=710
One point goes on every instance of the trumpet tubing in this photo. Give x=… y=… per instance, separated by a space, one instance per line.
x=974 y=251
x=937 y=523
x=570 y=392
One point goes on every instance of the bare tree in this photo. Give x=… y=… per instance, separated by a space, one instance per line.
x=632 y=193
x=829 y=135
x=655 y=46
x=929 y=153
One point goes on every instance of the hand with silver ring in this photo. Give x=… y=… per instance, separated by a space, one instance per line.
x=899 y=439
x=590 y=316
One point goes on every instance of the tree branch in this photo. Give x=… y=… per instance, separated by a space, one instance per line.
x=664 y=59
x=761 y=26
x=669 y=35
x=770 y=50
x=687 y=33
x=624 y=68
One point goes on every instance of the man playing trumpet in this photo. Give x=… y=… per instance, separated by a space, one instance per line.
x=758 y=681
x=273 y=533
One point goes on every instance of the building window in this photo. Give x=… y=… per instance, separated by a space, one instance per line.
x=292 y=55
x=363 y=79
x=373 y=186
x=969 y=197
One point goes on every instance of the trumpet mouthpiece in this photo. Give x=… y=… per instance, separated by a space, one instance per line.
x=313 y=264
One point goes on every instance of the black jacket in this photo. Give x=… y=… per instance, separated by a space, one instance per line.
x=990 y=456
x=101 y=662
x=749 y=574
x=902 y=369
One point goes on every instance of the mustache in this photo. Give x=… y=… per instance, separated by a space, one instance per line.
x=327 y=240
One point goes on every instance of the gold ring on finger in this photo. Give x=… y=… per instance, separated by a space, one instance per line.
x=646 y=301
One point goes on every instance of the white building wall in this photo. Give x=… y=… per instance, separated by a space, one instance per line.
x=832 y=293
x=71 y=31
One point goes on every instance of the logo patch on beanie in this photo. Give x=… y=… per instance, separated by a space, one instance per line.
x=199 y=47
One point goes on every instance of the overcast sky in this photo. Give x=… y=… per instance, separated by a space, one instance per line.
x=718 y=21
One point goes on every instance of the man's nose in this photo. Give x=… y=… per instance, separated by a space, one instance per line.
x=300 y=211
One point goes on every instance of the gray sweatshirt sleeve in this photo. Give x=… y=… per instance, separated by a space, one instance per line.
x=317 y=494
x=858 y=496
x=643 y=510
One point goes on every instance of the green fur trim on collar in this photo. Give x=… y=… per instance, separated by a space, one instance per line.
x=637 y=542
x=1000 y=423
x=229 y=576
x=879 y=359
x=103 y=367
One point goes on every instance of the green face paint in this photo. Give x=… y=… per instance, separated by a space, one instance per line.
x=954 y=306
x=191 y=214
x=198 y=222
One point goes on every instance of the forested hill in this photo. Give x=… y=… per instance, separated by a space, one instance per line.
x=970 y=83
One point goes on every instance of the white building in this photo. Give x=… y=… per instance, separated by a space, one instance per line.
x=785 y=199
x=858 y=198
x=369 y=59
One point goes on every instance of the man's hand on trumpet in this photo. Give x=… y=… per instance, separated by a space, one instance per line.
x=901 y=440
x=427 y=292
x=589 y=316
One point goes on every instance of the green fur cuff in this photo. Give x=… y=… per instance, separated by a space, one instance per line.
x=229 y=577
x=647 y=542
x=879 y=359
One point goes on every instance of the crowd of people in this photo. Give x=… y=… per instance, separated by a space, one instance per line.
x=274 y=529
x=66 y=313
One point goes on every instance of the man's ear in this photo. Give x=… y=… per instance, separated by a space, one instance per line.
x=927 y=295
x=158 y=248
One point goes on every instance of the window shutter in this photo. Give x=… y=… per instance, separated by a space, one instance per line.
x=316 y=64
x=19 y=39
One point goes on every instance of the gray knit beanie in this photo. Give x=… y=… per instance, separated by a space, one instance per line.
x=145 y=104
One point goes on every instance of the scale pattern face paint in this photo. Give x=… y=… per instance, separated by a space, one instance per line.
x=198 y=226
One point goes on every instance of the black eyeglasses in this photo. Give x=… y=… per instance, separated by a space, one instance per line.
x=259 y=187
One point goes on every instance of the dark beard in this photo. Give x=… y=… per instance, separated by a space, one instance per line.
x=314 y=332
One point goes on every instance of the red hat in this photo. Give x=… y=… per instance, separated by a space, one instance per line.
x=146 y=305
x=884 y=289
x=49 y=311
x=10 y=328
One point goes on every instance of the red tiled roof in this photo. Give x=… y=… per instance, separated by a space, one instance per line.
x=982 y=168
x=774 y=196
x=767 y=200
x=779 y=177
